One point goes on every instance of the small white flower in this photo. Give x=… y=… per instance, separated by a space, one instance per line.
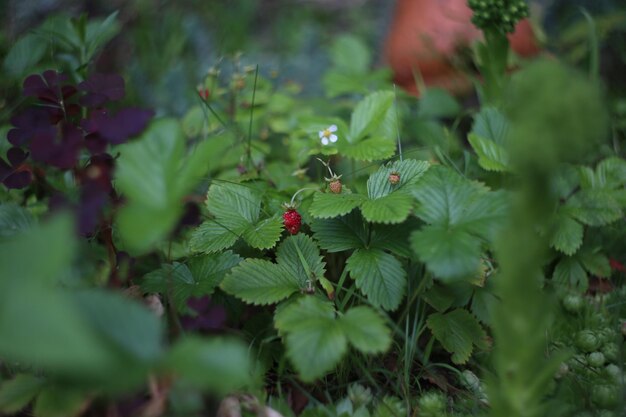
x=327 y=136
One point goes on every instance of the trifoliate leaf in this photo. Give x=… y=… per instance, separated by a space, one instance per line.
x=491 y=156
x=379 y=276
x=462 y=215
x=316 y=339
x=341 y=233
x=236 y=208
x=568 y=236
x=366 y=330
x=458 y=332
x=328 y=205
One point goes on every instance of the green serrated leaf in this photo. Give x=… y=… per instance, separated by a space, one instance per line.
x=491 y=156
x=258 y=281
x=596 y=263
x=568 y=236
x=316 y=348
x=595 y=207
x=462 y=215
x=366 y=330
x=341 y=233
x=293 y=312
x=212 y=236
x=301 y=258
x=394 y=238
x=199 y=278
x=370 y=149
x=264 y=234
x=16 y=393
x=450 y=253
x=369 y=113
x=236 y=202
x=392 y=208
x=491 y=125
x=410 y=171
x=458 y=332
x=329 y=205
x=379 y=276
x=315 y=340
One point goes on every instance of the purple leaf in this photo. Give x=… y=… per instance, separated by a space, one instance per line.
x=13 y=174
x=46 y=87
x=16 y=156
x=61 y=152
x=18 y=179
x=31 y=122
x=101 y=88
x=120 y=127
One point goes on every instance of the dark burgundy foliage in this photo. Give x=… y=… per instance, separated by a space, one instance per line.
x=64 y=121
x=60 y=151
x=100 y=89
x=32 y=121
x=209 y=316
x=14 y=174
x=103 y=127
x=47 y=87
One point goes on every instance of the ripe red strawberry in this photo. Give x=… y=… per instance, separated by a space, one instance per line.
x=335 y=186
x=394 y=178
x=292 y=221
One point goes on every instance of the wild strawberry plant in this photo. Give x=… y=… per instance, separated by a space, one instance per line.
x=361 y=254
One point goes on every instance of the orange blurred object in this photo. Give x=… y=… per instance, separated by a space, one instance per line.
x=426 y=34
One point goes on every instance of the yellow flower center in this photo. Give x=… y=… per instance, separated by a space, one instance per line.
x=326 y=133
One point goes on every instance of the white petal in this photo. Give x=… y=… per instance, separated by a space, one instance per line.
x=333 y=138
x=324 y=141
x=332 y=128
x=321 y=132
